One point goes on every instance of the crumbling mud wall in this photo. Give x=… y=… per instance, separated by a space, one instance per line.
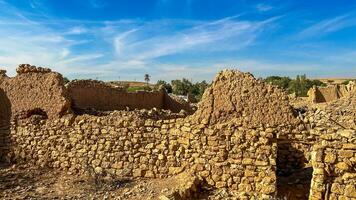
x=87 y=94
x=235 y=95
x=5 y=115
x=329 y=93
x=34 y=89
x=229 y=141
x=334 y=163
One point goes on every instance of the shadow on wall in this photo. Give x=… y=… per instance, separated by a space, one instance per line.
x=319 y=97
x=5 y=116
x=293 y=177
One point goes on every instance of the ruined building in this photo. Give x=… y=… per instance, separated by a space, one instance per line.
x=331 y=92
x=244 y=136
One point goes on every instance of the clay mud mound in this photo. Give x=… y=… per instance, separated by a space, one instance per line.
x=238 y=96
x=36 y=88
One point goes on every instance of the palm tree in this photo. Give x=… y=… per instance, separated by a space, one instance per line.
x=147 y=78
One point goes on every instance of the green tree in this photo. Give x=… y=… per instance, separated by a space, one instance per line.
x=199 y=88
x=281 y=82
x=181 y=87
x=300 y=85
x=165 y=85
x=147 y=78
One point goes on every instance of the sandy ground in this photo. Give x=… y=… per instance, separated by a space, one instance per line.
x=22 y=182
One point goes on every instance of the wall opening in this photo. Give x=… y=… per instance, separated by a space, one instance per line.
x=294 y=173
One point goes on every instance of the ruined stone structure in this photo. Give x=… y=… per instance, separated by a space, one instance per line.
x=36 y=90
x=101 y=96
x=330 y=93
x=334 y=159
x=243 y=136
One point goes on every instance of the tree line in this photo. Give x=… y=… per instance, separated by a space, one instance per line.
x=300 y=85
x=184 y=87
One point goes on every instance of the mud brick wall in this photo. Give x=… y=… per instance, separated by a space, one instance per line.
x=329 y=93
x=334 y=166
x=36 y=88
x=100 y=96
x=225 y=155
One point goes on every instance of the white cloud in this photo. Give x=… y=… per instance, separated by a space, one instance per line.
x=119 y=40
x=132 y=44
x=263 y=7
x=80 y=58
x=65 y=52
x=77 y=31
x=329 y=25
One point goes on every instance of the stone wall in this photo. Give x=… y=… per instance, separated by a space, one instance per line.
x=36 y=89
x=334 y=163
x=225 y=155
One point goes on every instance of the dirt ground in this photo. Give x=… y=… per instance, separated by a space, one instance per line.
x=23 y=182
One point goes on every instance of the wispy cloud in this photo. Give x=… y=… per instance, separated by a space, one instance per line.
x=329 y=26
x=77 y=30
x=25 y=40
x=203 y=37
x=168 y=48
x=263 y=7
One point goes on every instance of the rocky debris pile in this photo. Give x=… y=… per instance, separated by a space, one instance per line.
x=27 y=68
x=237 y=95
x=185 y=188
x=339 y=113
x=154 y=113
x=177 y=104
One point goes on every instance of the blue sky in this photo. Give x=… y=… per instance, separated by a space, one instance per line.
x=170 y=39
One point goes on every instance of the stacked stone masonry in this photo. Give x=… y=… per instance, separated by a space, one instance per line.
x=334 y=163
x=242 y=136
x=225 y=155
